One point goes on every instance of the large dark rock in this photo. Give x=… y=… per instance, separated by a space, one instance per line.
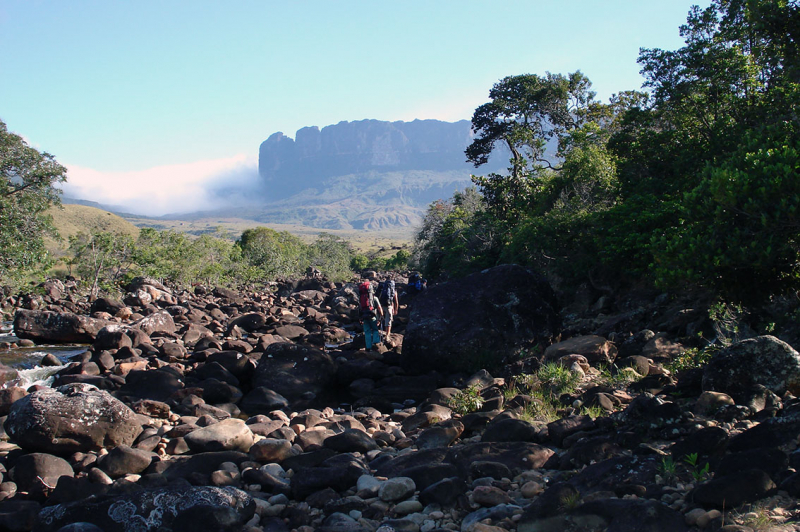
x=123 y=460
x=294 y=370
x=107 y=304
x=36 y=469
x=338 y=476
x=146 y=510
x=509 y=429
x=112 y=337
x=517 y=456
x=56 y=327
x=596 y=349
x=262 y=400
x=630 y=515
x=734 y=489
x=70 y=418
x=249 y=322
x=479 y=321
x=18 y=516
x=764 y=361
x=157 y=385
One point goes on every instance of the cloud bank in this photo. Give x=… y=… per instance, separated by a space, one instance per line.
x=171 y=189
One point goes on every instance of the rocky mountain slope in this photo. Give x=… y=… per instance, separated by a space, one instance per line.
x=222 y=410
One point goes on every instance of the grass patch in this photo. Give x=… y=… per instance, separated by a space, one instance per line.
x=613 y=376
x=510 y=392
x=593 y=411
x=558 y=379
x=542 y=408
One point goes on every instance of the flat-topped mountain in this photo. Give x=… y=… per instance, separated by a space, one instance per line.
x=290 y=166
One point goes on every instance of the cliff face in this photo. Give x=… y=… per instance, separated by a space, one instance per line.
x=363 y=147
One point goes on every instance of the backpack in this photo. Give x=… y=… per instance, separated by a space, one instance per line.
x=412 y=283
x=387 y=292
x=365 y=299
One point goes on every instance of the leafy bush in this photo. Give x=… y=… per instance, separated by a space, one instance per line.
x=466 y=401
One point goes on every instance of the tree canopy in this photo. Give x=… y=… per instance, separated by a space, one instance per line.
x=691 y=184
x=27 y=189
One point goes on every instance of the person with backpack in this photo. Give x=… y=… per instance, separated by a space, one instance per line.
x=391 y=304
x=416 y=284
x=371 y=310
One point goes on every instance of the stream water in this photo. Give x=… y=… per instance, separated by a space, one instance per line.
x=25 y=360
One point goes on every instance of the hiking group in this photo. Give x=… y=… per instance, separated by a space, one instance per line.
x=377 y=312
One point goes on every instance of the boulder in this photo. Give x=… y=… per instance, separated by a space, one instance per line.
x=351 y=440
x=440 y=435
x=8 y=396
x=271 y=450
x=18 y=516
x=71 y=418
x=124 y=460
x=479 y=321
x=762 y=361
x=509 y=429
x=631 y=515
x=261 y=400
x=596 y=349
x=155 y=509
x=338 y=476
x=107 y=304
x=160 y=321
x=248 y=322
x=294 y=370
x=112 y=337
x=157 y=385
x=37 y=469
x=734 y=489
x=56 y=327
x=227 y=435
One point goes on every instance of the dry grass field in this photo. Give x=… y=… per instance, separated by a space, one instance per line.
x=72 y=219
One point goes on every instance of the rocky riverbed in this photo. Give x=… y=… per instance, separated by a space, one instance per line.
x=262 y=411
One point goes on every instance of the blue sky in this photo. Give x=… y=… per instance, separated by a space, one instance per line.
x=177 y=93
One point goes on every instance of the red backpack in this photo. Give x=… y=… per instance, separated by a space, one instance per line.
x=365 y=299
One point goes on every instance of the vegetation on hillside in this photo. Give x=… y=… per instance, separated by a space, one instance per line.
x=694 y=184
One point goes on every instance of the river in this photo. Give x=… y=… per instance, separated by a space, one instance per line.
x=26 y=359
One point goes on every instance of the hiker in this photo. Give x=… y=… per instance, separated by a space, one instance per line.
x=387 y=296
x=371 y=310
x=416 y=284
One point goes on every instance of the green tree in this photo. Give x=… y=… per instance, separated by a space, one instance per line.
x=399 y=260
x=163 y=255
x=359 y=262
x=27 y=189
x=274 y=254
x=100 y=258
x=215 y=261
x=725 y=100
x=526 y=114
x=457 y=237
x=740 y=227
x=331 y=255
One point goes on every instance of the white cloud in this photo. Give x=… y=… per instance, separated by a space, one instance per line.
x=178 y=188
